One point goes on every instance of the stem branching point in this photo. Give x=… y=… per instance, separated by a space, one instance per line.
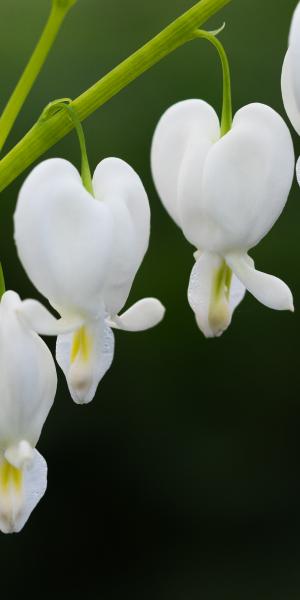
x=44 y=134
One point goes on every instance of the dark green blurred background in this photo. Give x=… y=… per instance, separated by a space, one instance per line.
x=181 y=480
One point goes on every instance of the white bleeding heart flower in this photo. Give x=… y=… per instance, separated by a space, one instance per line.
x=290 y=78
x=225 y=193
x=82 y=253
x=27 y=390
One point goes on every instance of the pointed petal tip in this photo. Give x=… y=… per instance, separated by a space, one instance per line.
x=81 y=400
x=292 y=306
x=288 y=300
x=208 y=333
x=87 y=369
x=80 y=383
x=213 y=309
x=219 y=319
x=267 y=289
x=81 y=397
x=142 y=315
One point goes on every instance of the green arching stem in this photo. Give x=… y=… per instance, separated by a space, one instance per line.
x=2 y=282
x=58 y=12
x=44 y=135
x=65 y=104
x=226 y=120
x=85 y=165
x=222 y=284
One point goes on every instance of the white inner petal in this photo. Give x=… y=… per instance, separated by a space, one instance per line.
x=84 y=357
x=20 y=492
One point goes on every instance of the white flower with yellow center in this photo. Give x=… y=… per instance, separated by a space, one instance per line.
x=82 y=253
x=290 y=79
x=225 y=193
x=27 y=389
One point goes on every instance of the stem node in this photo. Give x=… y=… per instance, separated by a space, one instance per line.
x=44 y=135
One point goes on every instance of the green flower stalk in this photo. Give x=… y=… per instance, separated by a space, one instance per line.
x=65 y=104
x=44 y=134
x=2 y=282
x=59 y=10
x=226 y=119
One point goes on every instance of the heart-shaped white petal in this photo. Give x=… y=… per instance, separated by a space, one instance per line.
x=290 y=78
x=79 y=251
x=118 y=187
x=84 y=357
x=27 y=377
x=224 y=193
x=191 y=121
x=294 y=44
x=269 y=290
x=64 y=237
x=143 y=315
x=243 y=185
x=20 y=492
x=291 y=105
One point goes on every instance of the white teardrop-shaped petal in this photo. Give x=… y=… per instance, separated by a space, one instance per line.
x=269 y=290
x=27 y=377
x=246 y=179
x=191 y=120
x=63 y=237
x=85 y=357
x=20 y=492
x=119 y=188
x=197 y=226
x=143 y=315
x=291 y=105
x=294 y=44
x=38 y=318
x=213 y=315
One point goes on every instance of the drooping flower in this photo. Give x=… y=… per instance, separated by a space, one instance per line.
x=290 y=78
x=27 y=389
x=225 y=193
x=82 y=253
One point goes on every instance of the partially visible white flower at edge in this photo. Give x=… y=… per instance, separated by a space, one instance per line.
x=27 y=389
x=290 y=78
x=82 y=253
x=225 y=193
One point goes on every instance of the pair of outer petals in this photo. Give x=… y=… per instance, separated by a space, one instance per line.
x=82 y=253
x=92 y=340
x=27 y=389
x=290 y=78
x=225 y=194
x=214 y=300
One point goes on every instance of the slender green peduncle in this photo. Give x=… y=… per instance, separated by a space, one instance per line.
x=59 y=9
x=43 y=136
x=226 y=120
x=2 y=282
x=64 y=104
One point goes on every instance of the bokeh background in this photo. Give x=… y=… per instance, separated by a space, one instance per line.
x=181 y=480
